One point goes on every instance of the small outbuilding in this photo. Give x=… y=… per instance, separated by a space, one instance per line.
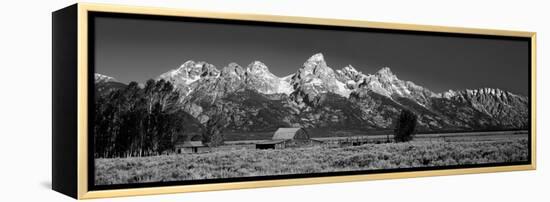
x=191 y=147
x=270 y=144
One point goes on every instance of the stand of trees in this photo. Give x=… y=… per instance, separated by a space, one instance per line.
x=405 y=126
x=135 y=121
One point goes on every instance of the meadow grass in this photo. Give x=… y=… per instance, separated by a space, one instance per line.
x=315 y=159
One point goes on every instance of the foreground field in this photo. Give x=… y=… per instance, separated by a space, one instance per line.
x=317 y=159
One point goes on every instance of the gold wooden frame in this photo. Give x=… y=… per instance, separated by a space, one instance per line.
x=82 y=45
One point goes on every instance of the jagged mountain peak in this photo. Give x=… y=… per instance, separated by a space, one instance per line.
x=189 y=72
x=386 y=83
x=103 y=78
x=317 y=66
x=386 y=72
x=505 y=107
x=350 y=68
x=187 y=63
x=315 y=78
x=233 y=65
x=349 y=73
x=258 y=70
x=257 y=67
x=318 y=57
x=192 y=69
x=494 y=96
x=495 y=92
x=233 y=69
x=259 y=78
x=492 y=91
x=190 y=65
x=448 y=94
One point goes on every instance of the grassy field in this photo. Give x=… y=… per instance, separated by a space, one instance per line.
x=423 y=152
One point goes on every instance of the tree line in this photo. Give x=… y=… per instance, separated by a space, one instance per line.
x=134 y=121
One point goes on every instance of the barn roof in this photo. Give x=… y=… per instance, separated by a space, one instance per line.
x=285 y=133
x=268 y=142
x=192 y=144
x=181 y=139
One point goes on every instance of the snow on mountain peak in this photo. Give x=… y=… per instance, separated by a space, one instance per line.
x=187 y=64
x=103 y=78
x=349 y=73
x=258 y=70
x=259 y=78
x=385 y=71
x=316 y=65
x=316 y=77
x=350 y=68
x=190 y=69
x=318 y=57
x=233 y=69
x=448 y=94
x=385 y=82
x=485 y=93
x=257 y=67
x=189 y=72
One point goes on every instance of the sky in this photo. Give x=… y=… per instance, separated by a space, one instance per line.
x=132 y=49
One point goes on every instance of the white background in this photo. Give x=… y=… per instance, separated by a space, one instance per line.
x=25 y=87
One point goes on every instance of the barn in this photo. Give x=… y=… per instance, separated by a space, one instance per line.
x=285 y=137
x=190 y=144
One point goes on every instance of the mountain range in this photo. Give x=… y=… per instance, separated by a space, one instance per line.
x=251 y=98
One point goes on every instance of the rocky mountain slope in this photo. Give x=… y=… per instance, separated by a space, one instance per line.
x=317 y=96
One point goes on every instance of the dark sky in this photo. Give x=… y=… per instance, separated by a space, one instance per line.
x=138 y=49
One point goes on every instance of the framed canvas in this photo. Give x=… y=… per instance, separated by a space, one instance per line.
x=155 y=100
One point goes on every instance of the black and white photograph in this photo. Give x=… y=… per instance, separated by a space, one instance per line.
x=193 y=100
